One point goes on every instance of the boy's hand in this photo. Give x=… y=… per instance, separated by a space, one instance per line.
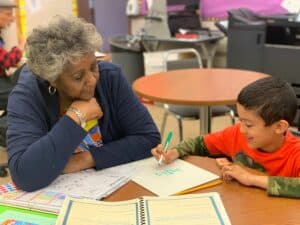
x=244 y=175
x=221 y=162
x=169 y=156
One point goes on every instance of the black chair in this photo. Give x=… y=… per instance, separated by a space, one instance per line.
x=187 y=112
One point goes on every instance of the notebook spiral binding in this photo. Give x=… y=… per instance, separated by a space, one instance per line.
x=142 y=212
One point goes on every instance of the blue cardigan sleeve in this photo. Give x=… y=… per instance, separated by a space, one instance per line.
x=137 y=132
x=37 y=156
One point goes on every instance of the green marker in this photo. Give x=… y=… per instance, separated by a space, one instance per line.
x=168 y=140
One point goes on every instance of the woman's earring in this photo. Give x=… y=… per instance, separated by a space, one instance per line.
x=51 y=90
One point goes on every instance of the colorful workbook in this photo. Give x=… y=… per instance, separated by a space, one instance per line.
x=42 y=200
x=85 y=184
x=178 y=177
x=192 y=209
x=16 y=216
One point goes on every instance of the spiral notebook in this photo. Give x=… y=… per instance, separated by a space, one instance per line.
x=195 y=209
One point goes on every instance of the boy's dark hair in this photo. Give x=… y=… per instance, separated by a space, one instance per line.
x=272 y=98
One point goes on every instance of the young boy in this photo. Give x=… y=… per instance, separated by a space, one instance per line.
x=260 y=141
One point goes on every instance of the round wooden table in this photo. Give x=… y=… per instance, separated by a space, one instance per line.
x=201 y=87
x=244 y=205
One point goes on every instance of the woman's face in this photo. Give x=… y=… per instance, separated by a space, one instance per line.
x=79 y=80
x=6 y=17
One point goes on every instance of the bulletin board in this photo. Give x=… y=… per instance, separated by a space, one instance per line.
x=31 y=13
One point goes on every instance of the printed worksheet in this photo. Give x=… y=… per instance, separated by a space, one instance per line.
x=93 y=184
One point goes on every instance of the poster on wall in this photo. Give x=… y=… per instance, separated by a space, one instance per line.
x=217 y=9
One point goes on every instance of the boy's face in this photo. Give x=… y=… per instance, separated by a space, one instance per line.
x=259 y=136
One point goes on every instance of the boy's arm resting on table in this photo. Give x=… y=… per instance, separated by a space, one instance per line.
x=245 y=175
x=275 y=185
x=284 y=186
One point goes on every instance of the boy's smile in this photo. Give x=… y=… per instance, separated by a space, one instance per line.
x=258 y=135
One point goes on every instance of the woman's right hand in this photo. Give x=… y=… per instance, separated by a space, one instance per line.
x=90 y=109
x=168 y=156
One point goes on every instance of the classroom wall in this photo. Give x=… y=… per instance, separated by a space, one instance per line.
x=41 y=11
x=110 y=19
x=36 y=12
x=10 y=37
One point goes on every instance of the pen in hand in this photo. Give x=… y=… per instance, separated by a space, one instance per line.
x=168 y=140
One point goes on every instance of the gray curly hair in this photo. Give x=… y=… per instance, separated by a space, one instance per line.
x=65 y=40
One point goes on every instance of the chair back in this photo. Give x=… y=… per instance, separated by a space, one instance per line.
x=172 y=60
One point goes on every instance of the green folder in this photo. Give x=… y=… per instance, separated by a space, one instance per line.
x=26 y=215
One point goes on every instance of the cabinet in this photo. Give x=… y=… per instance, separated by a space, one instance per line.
x=270 y=45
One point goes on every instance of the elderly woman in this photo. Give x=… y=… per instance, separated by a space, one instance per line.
x=62 y=89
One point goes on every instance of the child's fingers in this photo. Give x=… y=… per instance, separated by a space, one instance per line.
x=221 y=162
x=157 y=151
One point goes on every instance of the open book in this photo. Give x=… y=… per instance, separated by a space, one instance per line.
x=193 y=209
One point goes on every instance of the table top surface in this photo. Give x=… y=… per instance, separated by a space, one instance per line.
x=244 y=205
x=195 y=86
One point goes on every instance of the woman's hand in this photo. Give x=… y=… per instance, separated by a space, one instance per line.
x=169 y=156
x=244 y=175
x=90 y=109
x=80 y=161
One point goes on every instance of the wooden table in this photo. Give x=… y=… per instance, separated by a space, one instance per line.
x=201 y=87
x=244 y=205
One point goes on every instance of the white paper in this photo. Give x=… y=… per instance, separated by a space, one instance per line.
x=165 y=180
x=92 y=184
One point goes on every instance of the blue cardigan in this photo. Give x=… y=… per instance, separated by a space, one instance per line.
x=40 y=143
